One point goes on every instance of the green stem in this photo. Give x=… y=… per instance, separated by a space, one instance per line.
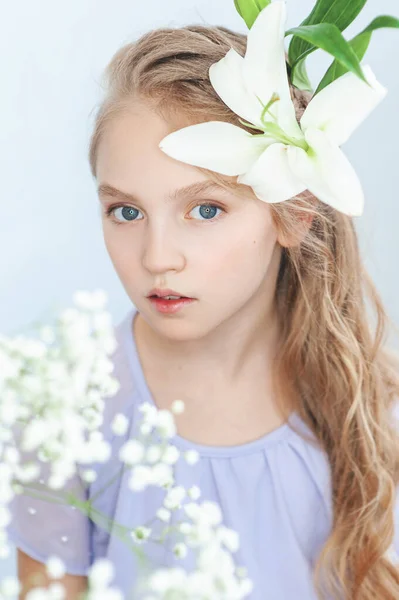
x=266 y=107
x=101 y=490
x=272 y=129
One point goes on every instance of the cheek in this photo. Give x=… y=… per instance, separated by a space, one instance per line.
x=242 y=257
x=120 y=250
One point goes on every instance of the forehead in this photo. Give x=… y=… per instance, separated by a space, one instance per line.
x=129 y=159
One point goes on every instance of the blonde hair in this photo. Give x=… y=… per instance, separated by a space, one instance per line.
x=345 y=380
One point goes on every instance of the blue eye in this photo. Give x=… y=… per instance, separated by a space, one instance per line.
x=128 y=212
x=207 y=210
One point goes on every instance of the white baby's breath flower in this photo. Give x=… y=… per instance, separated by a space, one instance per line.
x=164 y=514
x=10 y=456
x=132 y=452
x=241 y=571
x=27 y=472
x=5 y=516
x=141 y=534
x=177 y=407
x=10 y=586
x=191 y=456
x=174 y=497
x=228 y=537
x=9 y=366
x=55 y=567
x=35 y=433
x=140 y=477
x=180 y=550
x=120 y=424
x=150 y=413
x=38 y=593
x=194 y=492
x=211 y=513
x=145 y=407
x=162 y=475
x=171 y=455
x=101 y=573
x=47 y=335
x=192 y=510
x=185 y=527
x=57 y=591
x=145 y=428
x=97 y=448
x=162 y=580
x=89 y=475
x=90 y=301
x=153 y=453
x=166 y=423
x=102 y=323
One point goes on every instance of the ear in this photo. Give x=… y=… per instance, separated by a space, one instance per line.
x=288 y=239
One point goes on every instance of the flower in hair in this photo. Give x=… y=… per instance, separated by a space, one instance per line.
x=288 y=157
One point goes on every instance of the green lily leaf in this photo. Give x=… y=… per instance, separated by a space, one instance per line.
x=328 y=37
x=337 y=12
x=249 y=9
x=359 y=44
x=299 y=76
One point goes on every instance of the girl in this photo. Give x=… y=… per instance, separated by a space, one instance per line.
x=289 y=392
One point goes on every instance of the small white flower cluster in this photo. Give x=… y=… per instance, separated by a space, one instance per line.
x=10 y=587
x=54 y=390
x=216 y=575
x=55 y=569
x=100 y=574
x=153 y=465
x=52 y=394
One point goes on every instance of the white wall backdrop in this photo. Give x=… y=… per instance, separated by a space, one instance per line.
x=52 y=56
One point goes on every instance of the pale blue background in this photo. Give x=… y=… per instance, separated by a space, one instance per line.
x=52 y=57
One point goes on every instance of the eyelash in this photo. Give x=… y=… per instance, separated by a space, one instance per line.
x=111 y=209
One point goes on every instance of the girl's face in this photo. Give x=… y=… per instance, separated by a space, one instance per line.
x=223 y=253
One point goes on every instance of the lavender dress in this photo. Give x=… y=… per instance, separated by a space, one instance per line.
x=274 y=491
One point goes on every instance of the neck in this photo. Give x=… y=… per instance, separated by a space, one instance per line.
x=244 y=343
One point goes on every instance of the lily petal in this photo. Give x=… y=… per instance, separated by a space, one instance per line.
x=264 y=69
x=226 y=78
x=343 y=104
x=271 y=177
x=327 y=173
x=215 y=145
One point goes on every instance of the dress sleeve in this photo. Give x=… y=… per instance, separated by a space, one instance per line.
x=44 y=527
x=51 y=526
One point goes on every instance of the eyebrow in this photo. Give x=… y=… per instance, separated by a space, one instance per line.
x=188 y=191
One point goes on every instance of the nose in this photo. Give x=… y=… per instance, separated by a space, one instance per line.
x=161 y=250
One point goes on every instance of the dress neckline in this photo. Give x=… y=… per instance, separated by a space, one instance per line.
x=140 y=385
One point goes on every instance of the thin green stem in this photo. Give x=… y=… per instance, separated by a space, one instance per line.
x=266 y=108
x=271 y=129
x=102 y=489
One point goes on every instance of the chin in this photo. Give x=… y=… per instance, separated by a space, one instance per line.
x=176 y=329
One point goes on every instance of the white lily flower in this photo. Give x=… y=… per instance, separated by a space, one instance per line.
x=288 y=158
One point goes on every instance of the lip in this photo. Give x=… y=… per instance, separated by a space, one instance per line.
x=170 y=306
x=165 y=292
